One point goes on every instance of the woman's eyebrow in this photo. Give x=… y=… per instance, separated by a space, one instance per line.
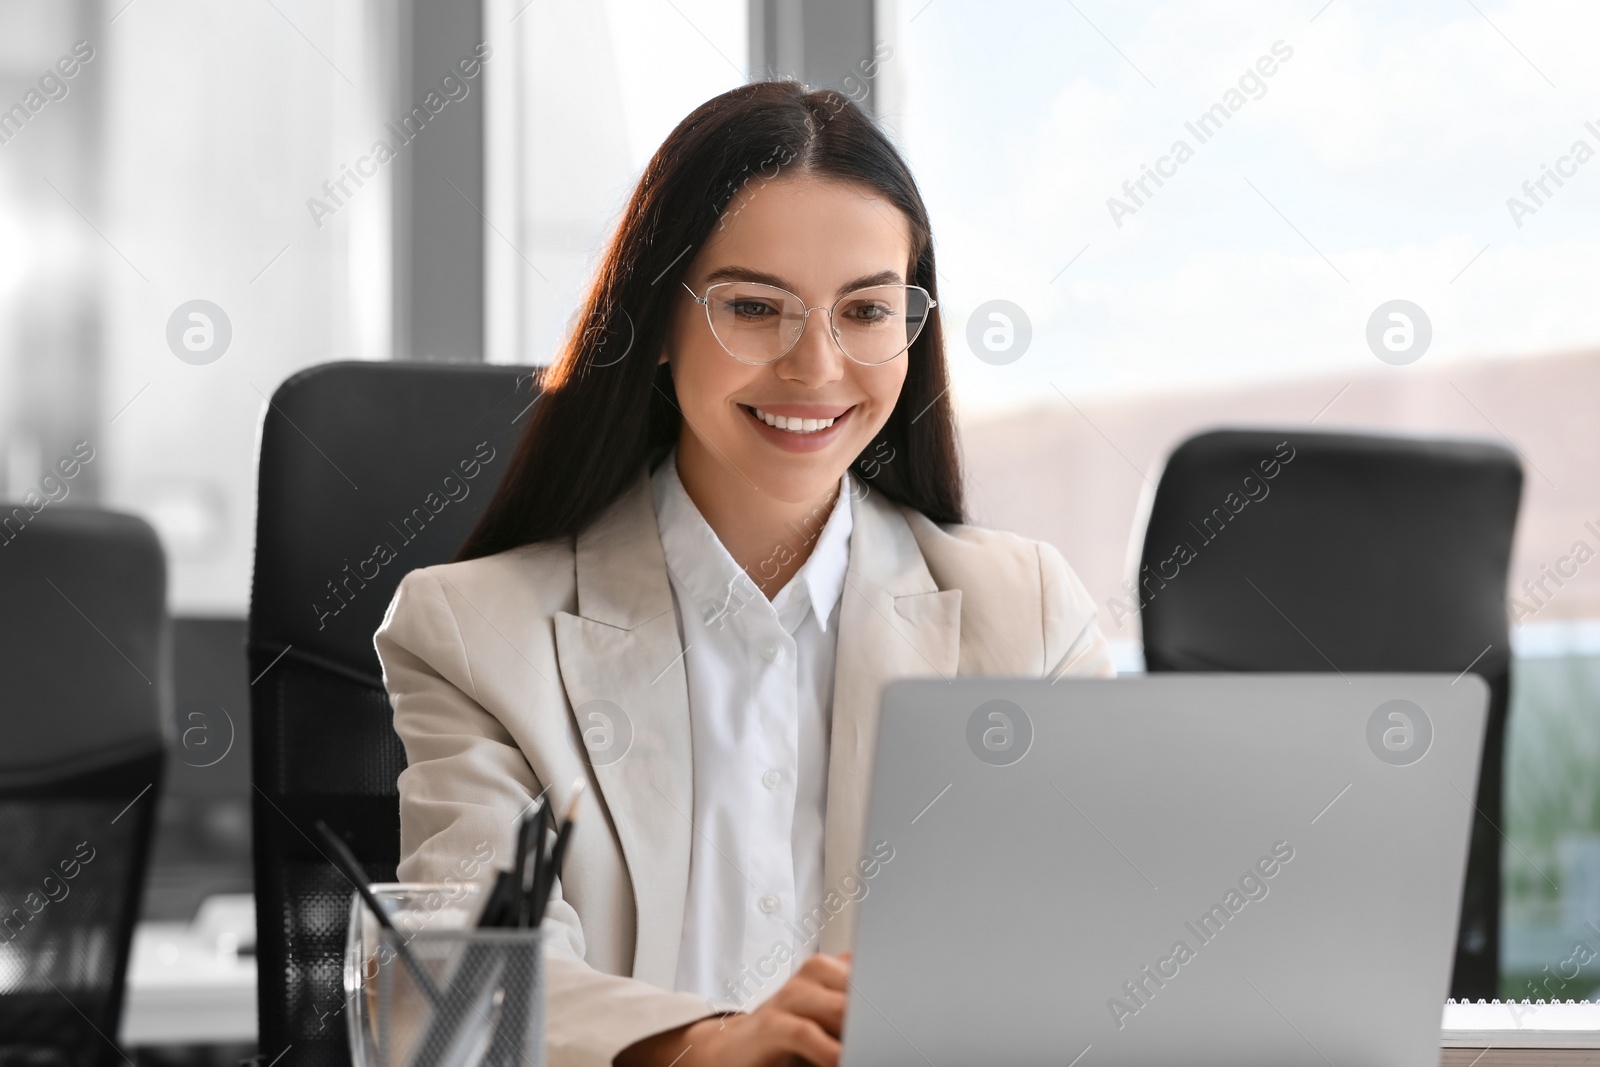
x=867 y=281
x=749 y=274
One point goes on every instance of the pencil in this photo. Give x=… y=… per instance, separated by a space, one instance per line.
x=350 y=867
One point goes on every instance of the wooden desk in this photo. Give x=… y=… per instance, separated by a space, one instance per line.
x=1520 y=1057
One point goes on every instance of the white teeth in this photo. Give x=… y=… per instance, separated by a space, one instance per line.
x=792 y=425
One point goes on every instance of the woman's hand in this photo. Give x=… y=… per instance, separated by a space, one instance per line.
x=801 y=1022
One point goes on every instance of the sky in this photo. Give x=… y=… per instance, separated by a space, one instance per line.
x=1373 y=164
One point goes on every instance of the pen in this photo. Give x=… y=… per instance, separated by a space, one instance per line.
x=552 y=869
x=530 y=861
x=350 y=867
x=504 y=901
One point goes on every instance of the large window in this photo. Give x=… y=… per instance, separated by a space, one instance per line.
x=586 y=95
x=167 y=155
x=177 y=166
x=1192 y=212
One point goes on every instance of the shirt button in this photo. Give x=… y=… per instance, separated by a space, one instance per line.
x=771 y=779
x=769 y=653
x=769 y=903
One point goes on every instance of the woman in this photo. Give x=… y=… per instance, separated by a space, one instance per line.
x=734 y=515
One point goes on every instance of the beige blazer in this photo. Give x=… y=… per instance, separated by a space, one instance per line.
x=485 y=661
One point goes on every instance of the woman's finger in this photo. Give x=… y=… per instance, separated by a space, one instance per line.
x=801 y=1037
x=811 y=1000
x=830 y=972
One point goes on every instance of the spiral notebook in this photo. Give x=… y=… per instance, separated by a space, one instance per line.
x=1524 y=1024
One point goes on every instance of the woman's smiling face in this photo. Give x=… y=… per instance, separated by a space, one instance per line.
x=818 y=239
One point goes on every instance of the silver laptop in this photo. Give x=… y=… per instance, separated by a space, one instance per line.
x=1196 y=869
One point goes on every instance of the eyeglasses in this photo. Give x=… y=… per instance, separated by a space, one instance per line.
x=759 y=324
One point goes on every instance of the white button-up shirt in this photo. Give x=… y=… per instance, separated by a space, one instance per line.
x=760 y=679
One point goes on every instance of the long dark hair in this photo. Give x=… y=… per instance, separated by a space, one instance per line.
x=607 y=408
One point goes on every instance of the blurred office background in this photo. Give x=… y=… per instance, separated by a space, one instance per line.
x=1439 y=153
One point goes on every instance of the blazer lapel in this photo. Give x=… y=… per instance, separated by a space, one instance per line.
x=894 y=622
x=623 y=647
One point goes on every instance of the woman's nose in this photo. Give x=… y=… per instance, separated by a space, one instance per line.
x=816 y=359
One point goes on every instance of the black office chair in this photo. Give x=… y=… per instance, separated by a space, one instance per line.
x=1358 y=553
x=367 y=471
x=85 y=658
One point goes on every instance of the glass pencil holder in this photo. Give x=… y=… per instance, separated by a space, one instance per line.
x=442 y=995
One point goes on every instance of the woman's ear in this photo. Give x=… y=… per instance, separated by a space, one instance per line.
x=663 y=358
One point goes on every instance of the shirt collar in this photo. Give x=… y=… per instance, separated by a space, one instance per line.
x=703 y=566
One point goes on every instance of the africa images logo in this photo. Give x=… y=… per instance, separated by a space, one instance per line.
x=1399 y=732
x=604 y=734
x=999 y=733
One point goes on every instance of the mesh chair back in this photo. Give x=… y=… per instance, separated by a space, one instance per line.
x=83 y=650
x=1296 y=551
x=367 y=471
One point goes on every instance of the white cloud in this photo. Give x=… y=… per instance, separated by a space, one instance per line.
x=1389 y=143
